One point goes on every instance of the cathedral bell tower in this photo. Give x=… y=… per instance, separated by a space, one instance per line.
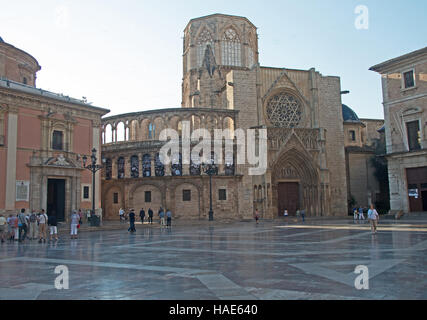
x=215 y=45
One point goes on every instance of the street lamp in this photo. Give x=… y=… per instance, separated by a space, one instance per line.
x=210 y=169
x=93 y=167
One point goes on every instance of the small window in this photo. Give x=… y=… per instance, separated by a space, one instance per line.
x=409 y=79
x=352 y=135
x=186 y=195
x=115 y=198
x=24 y=80
x=414 y=135
x=57 y=140
x=85 y=192
x=147 y=196
x=222 y=194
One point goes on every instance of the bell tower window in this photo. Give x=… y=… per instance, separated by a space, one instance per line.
x=231 y=48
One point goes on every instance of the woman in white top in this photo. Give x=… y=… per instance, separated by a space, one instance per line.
x=74 y=223
x=373 y=217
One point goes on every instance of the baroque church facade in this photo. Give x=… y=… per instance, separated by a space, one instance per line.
x=224 y=87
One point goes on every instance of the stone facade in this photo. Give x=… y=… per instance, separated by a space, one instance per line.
x=404 y=86
x=225 y=87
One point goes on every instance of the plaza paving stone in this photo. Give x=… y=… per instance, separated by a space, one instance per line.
x=233 y=261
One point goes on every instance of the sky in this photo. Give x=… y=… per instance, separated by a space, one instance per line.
x=126 y=55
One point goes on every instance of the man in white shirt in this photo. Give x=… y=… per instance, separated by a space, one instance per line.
x=373 y=217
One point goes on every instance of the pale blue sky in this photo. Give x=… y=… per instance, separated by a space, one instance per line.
x=126 y=55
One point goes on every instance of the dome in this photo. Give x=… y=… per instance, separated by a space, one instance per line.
x=349 y=115
x=1 y=40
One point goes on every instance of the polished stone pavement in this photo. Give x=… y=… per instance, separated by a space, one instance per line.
x=239 y=260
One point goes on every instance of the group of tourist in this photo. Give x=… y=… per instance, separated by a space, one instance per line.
x=27 y=226
x=373 y=216
x=34 y=226
x=165 y=217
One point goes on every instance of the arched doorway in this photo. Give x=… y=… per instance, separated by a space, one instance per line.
x=295 y=181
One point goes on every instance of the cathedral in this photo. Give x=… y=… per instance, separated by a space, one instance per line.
x=317 y=149
x=225 y=87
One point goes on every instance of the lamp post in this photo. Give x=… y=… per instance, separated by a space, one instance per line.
x=92 y=167
x=210 y=169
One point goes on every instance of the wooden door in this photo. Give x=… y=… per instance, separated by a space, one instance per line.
x=288 y=197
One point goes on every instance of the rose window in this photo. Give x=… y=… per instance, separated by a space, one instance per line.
x=284 y=110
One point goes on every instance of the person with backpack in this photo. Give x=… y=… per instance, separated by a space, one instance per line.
x=150 y=216
x=132 y=228
x=12 y=222
x=374 y=218
x=33 y=226
x=22 y=225
x=162 y=217
x=142 y=215
x=52 y=222
x=42 y=226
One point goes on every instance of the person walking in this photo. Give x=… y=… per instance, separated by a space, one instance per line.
x=142 y=215
x=81 y=216
x=33 y=226
x=3 y=223
x=132 y=221
x=150 y=216
x=42 y=226
x=53 y=226
x=361 y=216
x=122 y=215
x=162 y=217
x=302 y=212
x=74 y=224
x=286 y=213
x=11 y=222
x=22 y=224
x=374 y=218
x=169 y=218
x=256 y=216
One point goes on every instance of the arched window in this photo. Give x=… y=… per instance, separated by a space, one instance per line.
x=146 y=165
x=176 y=165
x=229 y=164
x=231 y=48
x=151 y=131
x=121 y=168
x=108 y=169
x=204 y=39
x=159 y=166
x=134 y=167
x=121 y=132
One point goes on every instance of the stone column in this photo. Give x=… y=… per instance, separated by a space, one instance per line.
x=140 y=172
x=167 y=169
x=153 y=164
x=114 y=169
x=127 y=167
x=12 y=140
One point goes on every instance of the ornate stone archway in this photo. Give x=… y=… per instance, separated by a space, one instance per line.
x=294 y=166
